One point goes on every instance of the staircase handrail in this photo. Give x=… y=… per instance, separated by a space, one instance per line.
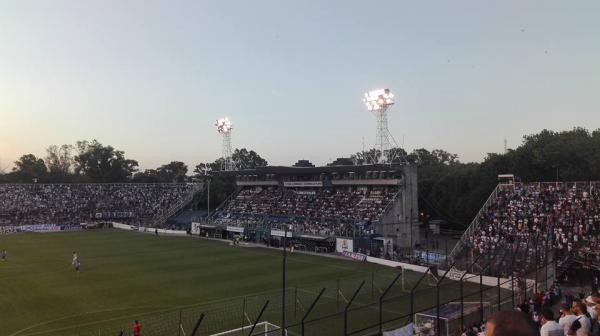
x=474 y=224
x=161 y=219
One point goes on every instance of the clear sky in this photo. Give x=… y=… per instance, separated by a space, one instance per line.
x=151 y=77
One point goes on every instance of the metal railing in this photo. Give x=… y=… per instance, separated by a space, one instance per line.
x=474 y=225
x=172 y=210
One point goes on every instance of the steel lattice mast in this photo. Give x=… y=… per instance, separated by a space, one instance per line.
x=224 y=127
x=378 y=101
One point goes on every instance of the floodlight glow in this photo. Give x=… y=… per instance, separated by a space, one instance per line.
x=224 y=125
x=378 y=99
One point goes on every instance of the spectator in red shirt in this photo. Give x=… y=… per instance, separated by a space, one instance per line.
x=136 y=328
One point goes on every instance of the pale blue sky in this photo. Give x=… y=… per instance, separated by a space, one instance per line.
x=150 y=77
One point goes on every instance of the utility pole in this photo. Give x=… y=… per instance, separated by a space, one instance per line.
x=285 y=232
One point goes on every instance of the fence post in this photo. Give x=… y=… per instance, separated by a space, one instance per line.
x=381 y=301
x=462 y=303
x=337 y=294
x=491 y=258
x=179 y=326
x=481 y=295
x=243 y=312
x=437 y=292
x=461 y=283
x=295 y=301
x=512 y=271
x=535 y=264
x=498 y=284
x=310 y=309
x=197 y=324
x=372 y=284
x=348 y=307
x=258 y=318
x=412 y=295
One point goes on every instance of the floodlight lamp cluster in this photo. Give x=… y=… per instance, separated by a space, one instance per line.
x=378 y=99
x=224 y=125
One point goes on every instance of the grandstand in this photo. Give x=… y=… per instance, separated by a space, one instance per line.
x=138 y=203
x=321 y=203
x=319 y=206
x=536 y=222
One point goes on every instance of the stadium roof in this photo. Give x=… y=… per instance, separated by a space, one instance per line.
x=314 y=170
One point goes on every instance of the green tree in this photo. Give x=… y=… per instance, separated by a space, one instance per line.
x=29 y=168
x=245 y=159
x=422 y=157
x=370 y=156
x=148 y=176
x=59 y=161
x=174 y=171
x=98 y=163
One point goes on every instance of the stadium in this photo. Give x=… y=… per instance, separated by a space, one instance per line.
x=291 y=250
x=348 y=239
x=341 y=249
x=399 y=238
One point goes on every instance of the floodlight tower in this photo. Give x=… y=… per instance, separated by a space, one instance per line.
x=378 y=101
x=224 y=127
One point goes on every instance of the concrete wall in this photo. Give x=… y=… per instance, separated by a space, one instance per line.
x=401 y=222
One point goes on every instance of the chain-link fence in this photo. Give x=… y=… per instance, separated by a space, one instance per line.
x=365 y=304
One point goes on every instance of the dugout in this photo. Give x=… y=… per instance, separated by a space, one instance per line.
x=233 y=231
x=450 y=318
x=312 y=243
x=209 y=230
x=375 y=245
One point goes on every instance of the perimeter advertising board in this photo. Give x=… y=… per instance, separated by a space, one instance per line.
x=303 y=184
x=343 y=244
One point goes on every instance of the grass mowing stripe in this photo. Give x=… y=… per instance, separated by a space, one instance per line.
x=123 y=268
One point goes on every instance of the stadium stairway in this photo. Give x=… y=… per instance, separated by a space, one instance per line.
x=461 y=244
x=175 y=208
x=214 y=213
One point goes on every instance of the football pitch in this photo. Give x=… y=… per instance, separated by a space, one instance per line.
x=166 y=282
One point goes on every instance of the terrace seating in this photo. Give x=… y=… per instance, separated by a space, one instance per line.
x=65 y=203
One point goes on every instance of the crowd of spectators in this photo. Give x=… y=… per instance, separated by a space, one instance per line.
x=7 y=230
x=531 y=219
x=25 y=204
x=344 y=211
x=548 y=313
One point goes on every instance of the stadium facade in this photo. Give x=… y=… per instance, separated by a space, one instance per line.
x=393 y=217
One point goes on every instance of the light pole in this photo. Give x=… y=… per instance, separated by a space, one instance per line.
x=224 y=128
x=208 y=200
x=378 y=101
x=283 y=269
x=207 y=178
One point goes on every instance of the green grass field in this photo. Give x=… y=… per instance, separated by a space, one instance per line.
x=166 y=282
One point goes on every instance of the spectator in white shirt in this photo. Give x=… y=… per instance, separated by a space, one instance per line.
x=549 y=326
x=566 y=318
x=582 y=325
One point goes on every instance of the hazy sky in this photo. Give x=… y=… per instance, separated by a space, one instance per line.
x=151 y=77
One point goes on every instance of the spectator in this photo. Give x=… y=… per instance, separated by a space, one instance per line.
x=566 y=318
x=595 y=330
x=549 y=326
x=531 y=217
x=508 y=323
x=582 y=324
x=340 y=211
x=136 y=328
x=24 y=204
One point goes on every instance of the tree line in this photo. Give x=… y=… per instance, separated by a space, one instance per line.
x=448 y=188
x=455 y=191
x=93 y=162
